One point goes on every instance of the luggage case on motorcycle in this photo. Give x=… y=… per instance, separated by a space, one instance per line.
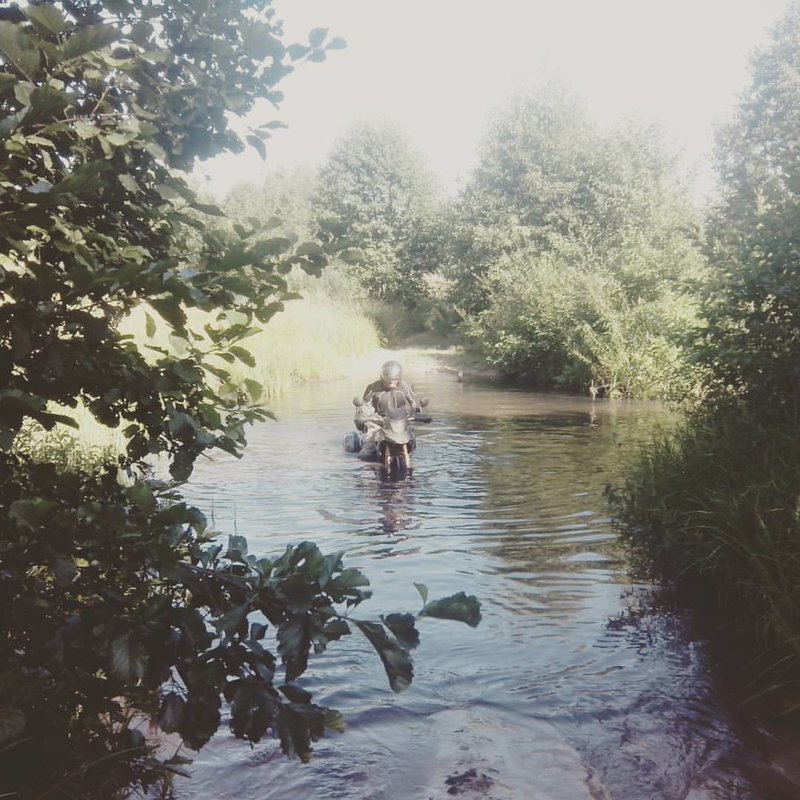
x=352 y=442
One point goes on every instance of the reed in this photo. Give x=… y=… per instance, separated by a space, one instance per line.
x=315 y=338
x=715 y=508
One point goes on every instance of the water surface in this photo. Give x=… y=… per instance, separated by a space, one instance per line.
x=570 y=688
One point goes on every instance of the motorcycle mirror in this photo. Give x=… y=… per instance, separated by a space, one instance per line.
x=357 y=401
x=424 y=402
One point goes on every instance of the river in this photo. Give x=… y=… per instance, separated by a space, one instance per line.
x=573 y=685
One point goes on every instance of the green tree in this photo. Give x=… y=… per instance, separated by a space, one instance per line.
x=282 y=204
x=116 y=603
x=575 y=258
x=755 y=338
x=375 y=190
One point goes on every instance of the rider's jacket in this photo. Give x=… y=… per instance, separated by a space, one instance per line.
x=383 y=399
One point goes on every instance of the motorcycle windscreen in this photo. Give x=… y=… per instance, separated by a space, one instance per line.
x=397 y=428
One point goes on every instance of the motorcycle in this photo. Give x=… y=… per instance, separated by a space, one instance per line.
x=386 y=438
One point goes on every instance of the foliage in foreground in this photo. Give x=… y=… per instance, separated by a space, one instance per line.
x=718 y=506
x=119 y=607
x=115 y=605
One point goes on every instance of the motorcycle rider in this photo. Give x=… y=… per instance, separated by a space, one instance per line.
x=389 y=391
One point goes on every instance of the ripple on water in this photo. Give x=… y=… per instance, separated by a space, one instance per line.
x=571 y=687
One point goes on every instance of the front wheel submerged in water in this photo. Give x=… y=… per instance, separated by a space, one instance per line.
x=395 y=459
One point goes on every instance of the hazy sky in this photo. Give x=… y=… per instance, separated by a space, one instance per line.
x=438 y=68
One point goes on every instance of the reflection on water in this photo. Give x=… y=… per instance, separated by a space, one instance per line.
x=571 y=687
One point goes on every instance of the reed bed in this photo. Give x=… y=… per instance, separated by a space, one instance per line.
x=715 y=508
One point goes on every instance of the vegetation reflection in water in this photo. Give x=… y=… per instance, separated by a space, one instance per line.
x=572 y=686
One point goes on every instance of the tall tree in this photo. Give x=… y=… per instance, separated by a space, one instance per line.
x=755 y=339
x=115 y=601
x=574 y=257
x=282 y=204
x=376 y=190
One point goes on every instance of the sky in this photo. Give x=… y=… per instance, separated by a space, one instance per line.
x=440 y=67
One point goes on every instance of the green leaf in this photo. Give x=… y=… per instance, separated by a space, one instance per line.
x=403 y=628
x=294 y=641
x=22 y=92
x=257 y=145
x=254 y=389
x=49 y=420
x=349 y=578
x=32 y=513
x=12 y=723
x=149 y=326
x=85 y=179
x=209 y=208
x=317 y=36
x=19 y=49
x=251 y=711
x=128 y=659
x=335 y=629
x=337 y=43
x=423 y=591
x=295 y=693
x=297 y=51
x=258 y=630
x=170 y=715
x=351 y=255
x=65 y=571
x=181 y=466
x=234 y=622
x=457 y=607
x=47 y=17
x=170 y=311
x=396 y=659
x=328 y=565
x=311 y=249
x=272 y=247
x=298 y=725
x=245 y=356
x=334 y=720
x=141 y=495
x=89 y=39
x=46 y=103
x=181 y=423
x=85 y=129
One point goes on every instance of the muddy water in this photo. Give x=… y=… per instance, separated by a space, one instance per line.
x=570 y=688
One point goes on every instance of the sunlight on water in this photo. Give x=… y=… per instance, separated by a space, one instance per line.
x=571 y=687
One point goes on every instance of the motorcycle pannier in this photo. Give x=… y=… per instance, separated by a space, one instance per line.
x=352 y=442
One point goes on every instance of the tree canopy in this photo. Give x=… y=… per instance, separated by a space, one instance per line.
x=575 y=254
x=754 y=343
x=375 y=189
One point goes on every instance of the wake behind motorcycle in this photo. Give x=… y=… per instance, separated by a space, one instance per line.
x=386 y=438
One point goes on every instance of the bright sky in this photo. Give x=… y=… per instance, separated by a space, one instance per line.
x=438 y=68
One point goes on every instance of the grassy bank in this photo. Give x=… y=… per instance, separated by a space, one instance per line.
x=715 y=509
x=315 y=338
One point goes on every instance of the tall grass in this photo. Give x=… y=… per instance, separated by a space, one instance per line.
x=315 y=338
x=715 y=508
